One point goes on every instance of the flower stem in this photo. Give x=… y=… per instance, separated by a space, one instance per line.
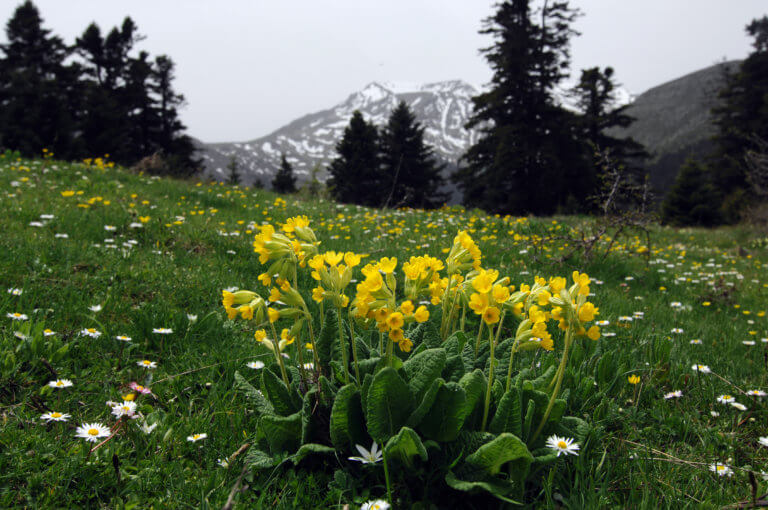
x=477 y=342
x=490 y=380
x=343 y=345
x=278 y=354
x=560 y=374
x=386 y=476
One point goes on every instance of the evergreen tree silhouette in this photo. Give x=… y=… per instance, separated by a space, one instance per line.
x=355 y=174
x=284 y=180
x=692 y=199
x=411 y=176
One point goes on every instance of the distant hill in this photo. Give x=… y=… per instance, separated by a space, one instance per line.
x=674 y=121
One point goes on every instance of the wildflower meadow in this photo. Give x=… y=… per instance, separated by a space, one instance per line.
x=175 y=343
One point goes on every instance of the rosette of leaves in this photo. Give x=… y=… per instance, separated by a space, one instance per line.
x=425 y=409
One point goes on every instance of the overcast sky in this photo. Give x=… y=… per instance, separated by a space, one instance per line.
x=247 y=67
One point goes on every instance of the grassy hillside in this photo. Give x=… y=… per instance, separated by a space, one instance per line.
x=146 y=259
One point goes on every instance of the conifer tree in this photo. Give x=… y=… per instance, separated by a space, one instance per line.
x=692 y=199
x=355 y=176
x=38 y=90
x=284 y=180
x=233 y=175
x=741 y=118
x=527 y=143
x=411 y=177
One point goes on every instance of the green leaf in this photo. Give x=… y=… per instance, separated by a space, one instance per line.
x=446 y=416
x=426 y=404
x=530 y=410
x=425 y=333
x=277 y=393
x=424 y=368
x=310 y=428
x=507 y=447
x=310 y=449
x=283 y=433
x=389 y=404
x=474 y=385
x=404 y=447
x=327 y=390
x=495 y=486
x=258 y=459
x=454 y=368
x=329 y=335
x=253 y=395
x=367 y=380
x=508 y=416
x=346 y=427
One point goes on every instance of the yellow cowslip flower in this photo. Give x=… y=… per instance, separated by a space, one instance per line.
x=67 y=193
x=478 y=303
x=374 y=282
x=351 y=259
x=296 y=222
x=633 y=379
x=259 y=335
x=144 y=219
x=500 y=293
x=421 y=314
x=231 y=312
x=543 y=298
x=284 y=285
x=483 y=282
x=396 y=335
x=273 y=314
x=535 y=314
x=332 y=258
x=547 y=343
x=407 y=307
x=129 y=397
x=285 y=335
x=556 y=284
x=381 y=315
x=318 y=293
x=274 y=295
x=265 y=279
x=395 y=320
x=557 y=313
x=593 y=333
x=237 y=298
x=388 y=264
x=246 y=312
x=491 y=315
x=587 y=312
x=405 y=345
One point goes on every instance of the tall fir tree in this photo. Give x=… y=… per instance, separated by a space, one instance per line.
x=410 y=174
x=741 y=118
x=38 y=89
x=692 y=199
x=527 y=143
x=284 y=180
x=355 y=175
x=595 y=96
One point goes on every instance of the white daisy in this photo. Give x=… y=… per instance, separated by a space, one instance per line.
x=95 y=308
x=748 y=342
x=703 y=369
x=48 y=332
x=16 y=316
x=55 y=416
x=696 y=341
x=110 y=228
x=15 y=292
x=377 y=504
x=368 y=457
x=60 y=383
x=123 y=338
x=677 y=331
x=145 y=363
x=162 y=331
x=256 y=365
x=92 y=431
x=127 y=408
x=309 y=366
x=726 y=399
x=714 y=414
x=562 y=445
x=756 y=393
x=721 y=469
x=191 y=318
x=673 y=394
x=146 y=428
x=91 y=332
x=196 y=437
x=763 y=441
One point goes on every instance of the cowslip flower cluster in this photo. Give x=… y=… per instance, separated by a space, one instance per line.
x=288 y=250
x=333 y=271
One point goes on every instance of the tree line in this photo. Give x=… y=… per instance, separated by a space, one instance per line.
x=533 y=155
x=95 y=97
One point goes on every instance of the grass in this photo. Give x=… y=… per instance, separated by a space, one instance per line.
x=195 y=239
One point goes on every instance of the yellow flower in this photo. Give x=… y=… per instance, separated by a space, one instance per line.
x=259 y=335
x=556 y=284
x=706 y=303
x=285 y=335
x=67 y=193
x=593 y=333
x=407 y=307
x=388 y=264
x=478 y=303
x=274 y=295
x=500 y=293
x=421 y=314
x=351 y=259
x=273 y=314
x=318 y=293
x=246 y=312
x=543 y=298
x=396 y=335
x=332 y=258
x=587 y=312
x=265 y=279
x=405 y=345
x=491 y=315
x=483 y=282
x=395 y=320
x=129 y=397
x=535 y=314
x=633 y=379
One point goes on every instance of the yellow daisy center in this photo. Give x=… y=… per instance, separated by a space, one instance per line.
x=720 y=468
x=59 y=383
x=562 y=445
x=55 y=415
x=147 y=362
x=93 y=432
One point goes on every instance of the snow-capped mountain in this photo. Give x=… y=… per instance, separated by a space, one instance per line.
x=443 y=108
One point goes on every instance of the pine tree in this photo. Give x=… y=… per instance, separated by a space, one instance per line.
x=596 y=99
x=355 y=176
x=233 y=176
x=38 y=90
x=741 y=118
x=284 y=180
x=411 y=175
x=527 y=143
x=692 y=199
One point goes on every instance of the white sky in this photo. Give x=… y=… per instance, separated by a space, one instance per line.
x=247 y=67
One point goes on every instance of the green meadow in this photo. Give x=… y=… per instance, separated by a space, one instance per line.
x=90 y=253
